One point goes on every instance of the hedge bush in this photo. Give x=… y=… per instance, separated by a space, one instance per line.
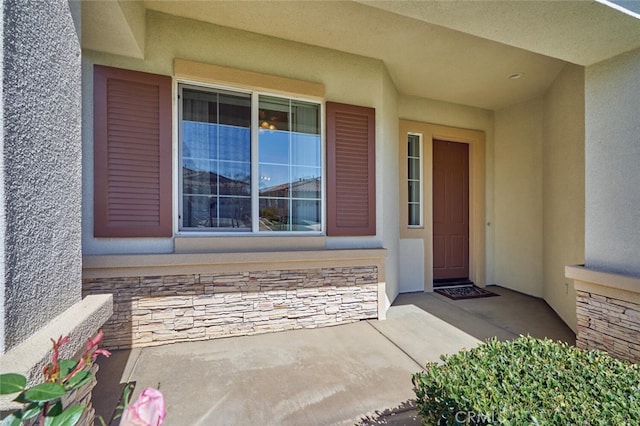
x=529 y=381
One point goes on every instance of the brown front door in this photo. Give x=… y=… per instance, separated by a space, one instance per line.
x=450 y=210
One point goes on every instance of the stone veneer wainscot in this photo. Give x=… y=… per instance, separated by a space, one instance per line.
x=237 y=299
x=608 y=312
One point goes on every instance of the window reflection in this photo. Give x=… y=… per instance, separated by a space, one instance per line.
x=216 y=156
x=216 y=160
x=216 y=212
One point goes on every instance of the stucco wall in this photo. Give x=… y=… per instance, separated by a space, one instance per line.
x=518 y=197
x=563 y=188
x=41 y=168
x=347 y=78
x=612 y=155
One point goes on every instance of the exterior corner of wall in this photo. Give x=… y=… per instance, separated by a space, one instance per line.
x=383 y=302
x=41 y=149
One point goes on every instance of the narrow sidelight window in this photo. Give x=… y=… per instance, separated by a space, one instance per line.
x=414 y=179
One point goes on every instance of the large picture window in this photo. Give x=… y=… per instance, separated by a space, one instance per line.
x=250 y=163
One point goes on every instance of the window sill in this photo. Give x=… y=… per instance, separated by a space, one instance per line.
x=109 y=266
x=207 y=243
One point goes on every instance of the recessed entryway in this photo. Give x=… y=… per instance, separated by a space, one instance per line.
x=463 y=253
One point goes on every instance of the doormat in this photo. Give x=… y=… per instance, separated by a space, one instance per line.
x=466 y=292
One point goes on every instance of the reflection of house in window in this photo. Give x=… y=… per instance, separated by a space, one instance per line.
x=302 y=188
x=291 y=205
x=212 y=210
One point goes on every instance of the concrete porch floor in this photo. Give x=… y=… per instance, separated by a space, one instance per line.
x=343 y=375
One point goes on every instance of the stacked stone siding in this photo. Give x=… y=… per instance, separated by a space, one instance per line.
x=608 y=324
x=154 y=310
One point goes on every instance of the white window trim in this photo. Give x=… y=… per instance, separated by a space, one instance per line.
x=177 y=160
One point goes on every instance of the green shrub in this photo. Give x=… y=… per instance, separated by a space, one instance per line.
x=529 y=381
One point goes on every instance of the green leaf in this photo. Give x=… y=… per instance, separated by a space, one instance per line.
x=12 y=383
x=68 y=417
x=11 y=420
x=45 y=392
x=55 y=410
x=127 y=391
x=21 y=399
x=79 y=379
x=66 y=366
x=32 y=410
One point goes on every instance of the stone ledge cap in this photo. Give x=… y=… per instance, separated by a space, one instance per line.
x=80 y=321
x=603 y=278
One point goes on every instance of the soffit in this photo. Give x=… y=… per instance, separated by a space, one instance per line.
x=423 y=59
x=113 y=26
x=454 y=51
x=583 y=32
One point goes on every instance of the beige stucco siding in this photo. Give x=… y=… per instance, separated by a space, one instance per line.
x=612 y=154
x=563 y=185
x=518 y=225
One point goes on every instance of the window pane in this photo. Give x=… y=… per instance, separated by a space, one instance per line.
x=305 y=215
x=414 y=191
x=306 y=182
x=290 y=155
x=199 y=106
x=234 y=144
x=305 y=117
x=274 y=147
x=413 y=145
x=414 y=214
x=198 y=139
x=306 y=150
x=196 y=211
x=274 y=214
x=234 y=213
x=235 y=110
x=234 y=178
x=414 y=168
x=198 y=177
x=216 y=160
x=274 y=113
x=414 y=180
x=274 y=180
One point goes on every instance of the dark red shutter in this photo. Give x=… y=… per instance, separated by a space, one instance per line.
x=351 y=169
x=132 y=154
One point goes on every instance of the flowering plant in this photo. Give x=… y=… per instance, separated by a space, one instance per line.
x=148 y=410
x=43 y=402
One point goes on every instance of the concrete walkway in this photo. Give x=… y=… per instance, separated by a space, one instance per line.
x=343 y=375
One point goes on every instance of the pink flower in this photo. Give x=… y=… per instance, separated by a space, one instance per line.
x=148 y=410
x=94 y=341
x=102 y=352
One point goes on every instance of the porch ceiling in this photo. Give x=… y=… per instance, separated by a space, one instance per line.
x=455 y=51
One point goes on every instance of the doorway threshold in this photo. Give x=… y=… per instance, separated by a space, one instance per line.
x=450 y=283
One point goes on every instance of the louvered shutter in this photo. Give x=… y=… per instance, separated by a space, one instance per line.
x=351 y=168
x=132 y=154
